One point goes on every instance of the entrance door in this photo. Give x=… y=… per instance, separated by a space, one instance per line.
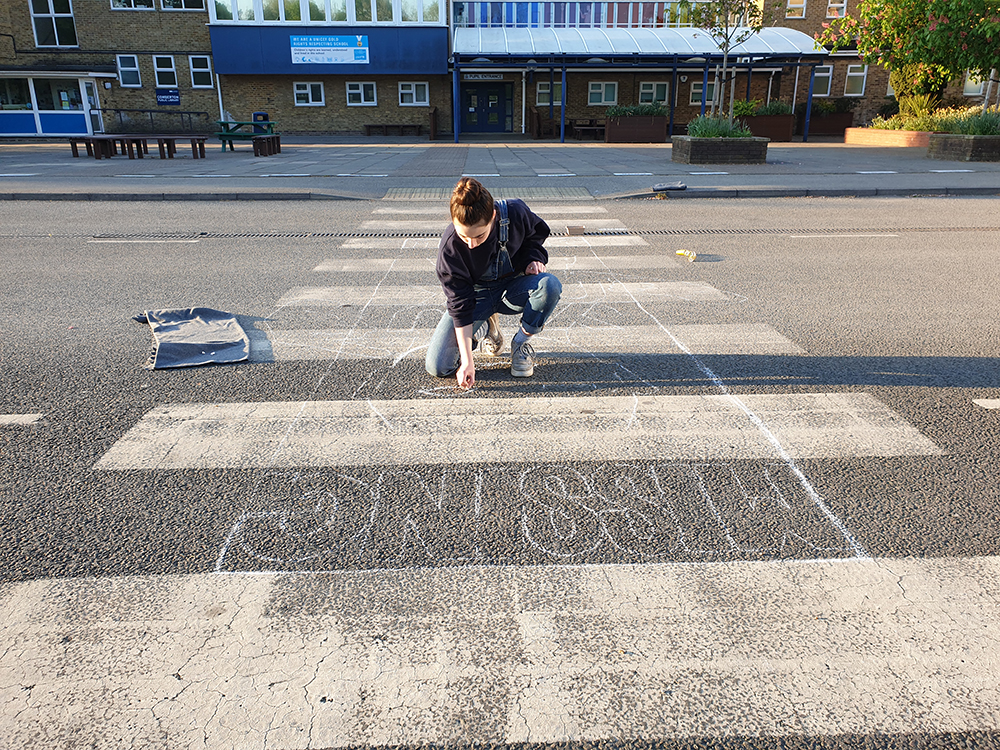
x=488 y=107
x=90 y=88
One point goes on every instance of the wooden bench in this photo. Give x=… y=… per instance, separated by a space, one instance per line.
x=385 y=128
x=266 y=145
x=588 y=127
x=242 y=130
x=136 y=145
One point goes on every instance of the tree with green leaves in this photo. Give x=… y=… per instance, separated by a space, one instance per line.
x=923 y=43
x=729 y=23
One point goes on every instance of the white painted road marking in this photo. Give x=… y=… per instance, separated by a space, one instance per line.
x=871 y=648
x=987 y=403
x=416 y=295
x=556 y=263
x=19 y=419
x=556 y=225
x=596 y=428
x=431 y=243
x=397 y=344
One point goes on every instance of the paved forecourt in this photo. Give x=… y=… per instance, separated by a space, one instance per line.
x=519 y=567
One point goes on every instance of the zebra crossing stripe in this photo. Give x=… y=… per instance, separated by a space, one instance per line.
x=556 y=225
x=542 y=210
x=721 y=339
x=19 y=419
x=431 y=294
x=555 y=264
x=454 y=431
x=443 y=656
x=552 y=243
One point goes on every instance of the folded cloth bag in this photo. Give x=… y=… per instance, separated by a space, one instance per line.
x=194 y=336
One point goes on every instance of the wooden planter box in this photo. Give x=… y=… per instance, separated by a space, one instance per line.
x=688 y=150
x=964 y=147
x=878 y=137
x=773 y=127
x=636 y=130
x=833 y=124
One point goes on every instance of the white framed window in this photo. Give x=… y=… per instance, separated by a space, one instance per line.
x=309 y=94
x=182 y=4
x=654 y=92
x=695 y=97
x=164 y=71
x=823 y=81
x=973 y=86
x=602 y=93
x=795 y=9
x=889 y=90
x=543 y=93
x=855 y=83
x=53 y=23
x=361 y=95
x=132 y=5
x=128 y=72
x=414 y=94
x=201 y=71
x=836 y=8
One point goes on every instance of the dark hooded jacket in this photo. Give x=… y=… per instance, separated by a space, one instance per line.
x=459 y=269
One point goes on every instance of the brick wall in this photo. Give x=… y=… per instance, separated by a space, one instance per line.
x=103 y=33
x=275 y=95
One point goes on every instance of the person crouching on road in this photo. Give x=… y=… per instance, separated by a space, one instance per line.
x=490 y=262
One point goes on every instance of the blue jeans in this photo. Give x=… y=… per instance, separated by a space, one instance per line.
x=532 y=297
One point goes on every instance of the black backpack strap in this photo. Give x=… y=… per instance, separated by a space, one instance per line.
x=504 y=224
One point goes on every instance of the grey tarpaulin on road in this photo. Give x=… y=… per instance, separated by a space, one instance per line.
x=194 y=336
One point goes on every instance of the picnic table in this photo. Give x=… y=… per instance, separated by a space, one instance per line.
x=241 y=130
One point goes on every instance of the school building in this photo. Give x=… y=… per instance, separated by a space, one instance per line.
x=69 y=67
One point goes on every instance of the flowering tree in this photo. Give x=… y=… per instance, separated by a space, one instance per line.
x=966 y=33
x=923 y=43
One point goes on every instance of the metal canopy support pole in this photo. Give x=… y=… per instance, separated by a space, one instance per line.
x=749 y=75
x=457 y=114
x=704 y=89
x=552 y=91
x=809 y=102
x=673 y=98
x=562 y=110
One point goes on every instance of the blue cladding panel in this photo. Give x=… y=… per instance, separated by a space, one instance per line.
x=17 y=123
x=265 y=50
x=64 y=124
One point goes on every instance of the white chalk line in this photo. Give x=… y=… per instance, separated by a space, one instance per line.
x=859 y=551
x=292 y=425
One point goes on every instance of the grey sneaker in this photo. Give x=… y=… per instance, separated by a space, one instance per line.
x=521 y=353
x=492 y=345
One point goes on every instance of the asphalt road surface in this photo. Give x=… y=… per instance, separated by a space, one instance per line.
x=749 y=500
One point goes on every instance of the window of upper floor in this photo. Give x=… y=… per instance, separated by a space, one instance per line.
x=182 y=4
x=53 y=23
x=132 y=5
x=572 y=14
x=795 y=9
x=347 y=12
x=836 y=8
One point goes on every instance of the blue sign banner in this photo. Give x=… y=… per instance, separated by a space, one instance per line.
x=329 y=50
x=168 y=97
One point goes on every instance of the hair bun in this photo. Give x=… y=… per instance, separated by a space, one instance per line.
x=468 y=191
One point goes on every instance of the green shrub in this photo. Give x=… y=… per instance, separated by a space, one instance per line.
x=636 y=110
x=744 y=108
x=962 y=121
x=774 y=108
x=708 y=126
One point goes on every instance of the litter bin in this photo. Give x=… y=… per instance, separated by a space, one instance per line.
x=260 y=117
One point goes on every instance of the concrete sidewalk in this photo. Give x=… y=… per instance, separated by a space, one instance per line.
x=330 y=168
